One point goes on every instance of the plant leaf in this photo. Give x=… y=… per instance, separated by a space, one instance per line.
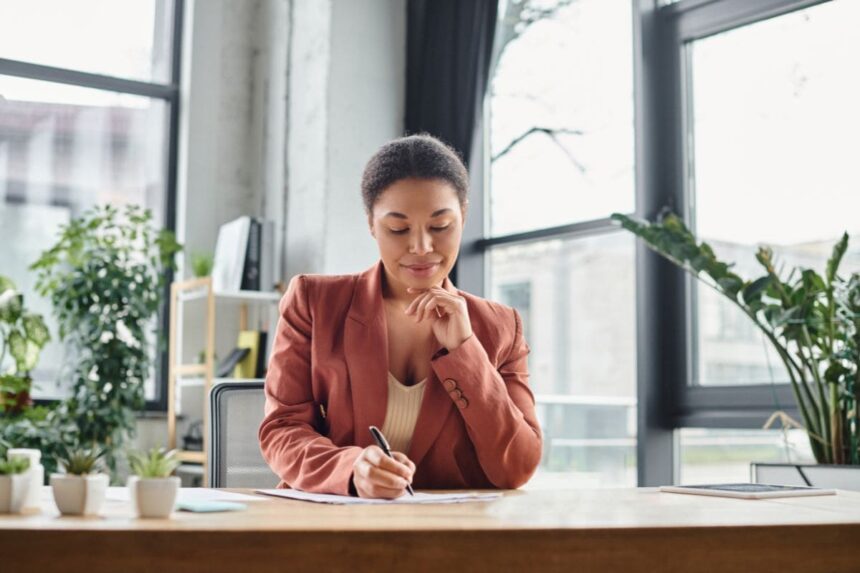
x=37 y=331
x=836 y=257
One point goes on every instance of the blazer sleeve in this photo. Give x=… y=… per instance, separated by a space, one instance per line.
x=289 y=438
x=497 y=406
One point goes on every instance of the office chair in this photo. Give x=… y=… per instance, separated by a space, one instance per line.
x=235 y=412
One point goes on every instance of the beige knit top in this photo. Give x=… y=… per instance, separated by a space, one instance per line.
x=404 y=403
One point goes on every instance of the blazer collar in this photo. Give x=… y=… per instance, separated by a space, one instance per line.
x=366 y=348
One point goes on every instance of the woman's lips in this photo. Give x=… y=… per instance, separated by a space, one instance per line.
x=422 y=271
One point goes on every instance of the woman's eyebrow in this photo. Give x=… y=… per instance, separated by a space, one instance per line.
x=402 y=216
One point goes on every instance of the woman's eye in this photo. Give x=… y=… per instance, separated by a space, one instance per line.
x=438 y=229
x=398 y=231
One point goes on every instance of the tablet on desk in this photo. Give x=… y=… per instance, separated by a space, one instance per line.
x=748 y=490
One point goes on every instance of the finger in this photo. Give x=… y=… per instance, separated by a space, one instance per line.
x=386 y=479
x=394 y=466
x=442 y=305
x=383 y=492
x=421 y=309
x=415 y=302
x=451 y=303
x=404 y=459
x=427 y=307
x=366 y=488
x=373 y=454
x=372 y=476
x=376 y=457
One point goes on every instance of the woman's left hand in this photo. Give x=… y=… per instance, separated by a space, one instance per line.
x=448 y=313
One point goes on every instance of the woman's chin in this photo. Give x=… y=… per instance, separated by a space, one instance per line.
x=422 y=282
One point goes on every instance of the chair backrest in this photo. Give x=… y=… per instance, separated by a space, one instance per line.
x=235 y=413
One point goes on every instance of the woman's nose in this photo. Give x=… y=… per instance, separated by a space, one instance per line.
x=420 y=243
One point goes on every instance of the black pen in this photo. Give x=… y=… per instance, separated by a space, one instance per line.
x=383 y=443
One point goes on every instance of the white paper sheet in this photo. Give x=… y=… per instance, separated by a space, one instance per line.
x=418 y=498
x=188 y=494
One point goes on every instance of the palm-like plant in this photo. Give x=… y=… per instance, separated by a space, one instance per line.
x=13 y=466
x=82 y=461
x=158 y=463
x=812 y=322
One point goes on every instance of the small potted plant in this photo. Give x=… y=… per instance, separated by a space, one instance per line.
x=81 y=489
x=152 y=489
x=14 y=484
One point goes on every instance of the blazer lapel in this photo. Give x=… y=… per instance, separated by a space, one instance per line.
x=366 y=347
x=436 y=406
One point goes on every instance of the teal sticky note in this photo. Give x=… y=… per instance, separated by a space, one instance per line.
x=209 y=506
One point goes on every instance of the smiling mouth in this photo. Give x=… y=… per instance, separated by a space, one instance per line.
x=421 y=267
x=423 y=270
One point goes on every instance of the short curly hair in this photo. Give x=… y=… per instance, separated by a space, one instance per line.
x=415 y=156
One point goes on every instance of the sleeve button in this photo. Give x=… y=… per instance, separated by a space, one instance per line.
x=450 y=384
x=462 y=403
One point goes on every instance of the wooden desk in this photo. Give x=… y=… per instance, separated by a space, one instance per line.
x=628 y=530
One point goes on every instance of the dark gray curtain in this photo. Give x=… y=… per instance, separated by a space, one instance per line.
x=449 y=47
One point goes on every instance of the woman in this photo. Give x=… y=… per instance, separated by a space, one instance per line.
x=443 y=373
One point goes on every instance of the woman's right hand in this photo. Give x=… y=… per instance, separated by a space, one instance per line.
x=376 y=475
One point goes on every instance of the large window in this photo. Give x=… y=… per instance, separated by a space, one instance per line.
x=742 y=117
x=560 y=161
x=88 y=115
x=759 y=148
x=774 y=127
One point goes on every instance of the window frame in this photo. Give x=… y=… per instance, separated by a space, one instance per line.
x=169 y=93
x=665 y=321
x=739 y=407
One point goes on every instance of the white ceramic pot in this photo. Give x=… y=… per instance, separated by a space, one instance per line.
x=79 y=495
x=153 y=497
x=13 y=492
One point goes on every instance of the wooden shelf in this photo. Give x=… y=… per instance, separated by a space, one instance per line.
x=200 y=292
x=202 y=375
x=190 y=370
x=191 y=456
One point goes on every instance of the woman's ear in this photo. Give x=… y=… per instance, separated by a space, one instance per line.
x=370 y=225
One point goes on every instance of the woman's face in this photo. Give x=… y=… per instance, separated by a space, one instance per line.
x=418 y=224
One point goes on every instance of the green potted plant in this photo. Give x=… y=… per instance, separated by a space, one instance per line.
x=812 y=321
x=105 y=277
x=43 y=428
x=81 y=489
x=14 y=483
x=23 y=334
x=201 y=264
x=152 y=488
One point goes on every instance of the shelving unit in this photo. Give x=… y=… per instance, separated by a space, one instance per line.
x=189 y=375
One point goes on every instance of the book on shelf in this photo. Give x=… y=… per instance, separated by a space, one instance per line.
x=244 y=256
x=227 y=365
x=251 y=269
x=253 y=364
x=230 y=249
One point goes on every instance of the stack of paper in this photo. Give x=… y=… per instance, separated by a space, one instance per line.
x=418 y=498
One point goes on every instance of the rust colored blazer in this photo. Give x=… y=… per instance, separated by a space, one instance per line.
x=327 y=383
